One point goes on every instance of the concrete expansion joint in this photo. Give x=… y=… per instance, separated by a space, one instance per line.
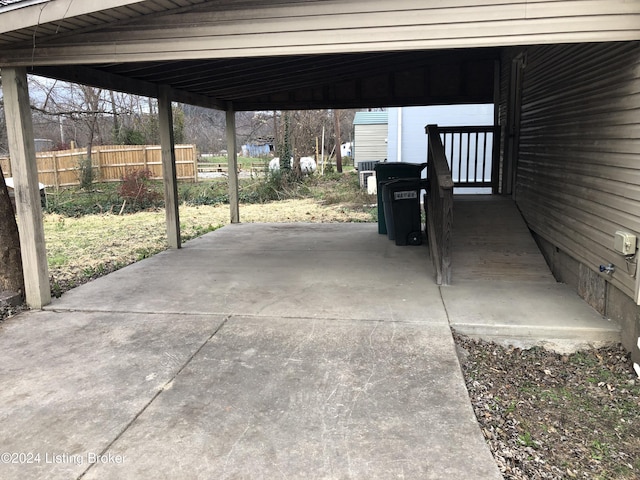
x=337 y=319
x=444 y=305
x=167 y=386
x=133 y=312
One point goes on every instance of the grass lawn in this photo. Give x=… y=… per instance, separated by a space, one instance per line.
x=80 y=248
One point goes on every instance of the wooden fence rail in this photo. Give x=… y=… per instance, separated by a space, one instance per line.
x=109 y=163
x=439 y=206
x=255 y=168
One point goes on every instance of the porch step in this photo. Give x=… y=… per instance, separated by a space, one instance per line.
x=525 y=314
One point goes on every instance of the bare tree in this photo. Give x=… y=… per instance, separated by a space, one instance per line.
x=11 y=277
x=336 y=119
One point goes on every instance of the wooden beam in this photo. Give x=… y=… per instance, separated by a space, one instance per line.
x=232 y=150
x=27 y=192
x=119 y=83
x=169 y=167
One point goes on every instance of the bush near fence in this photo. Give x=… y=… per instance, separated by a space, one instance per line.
x=110 y=163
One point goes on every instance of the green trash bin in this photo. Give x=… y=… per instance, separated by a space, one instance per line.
x=388 y=171
x=401 y=198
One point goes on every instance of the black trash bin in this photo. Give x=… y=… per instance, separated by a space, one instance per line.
x=401 y=204
x=392 y=170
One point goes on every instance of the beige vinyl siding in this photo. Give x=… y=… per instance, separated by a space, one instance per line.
x=578 y=176
x=370 y=142
x=226 y=28
x=58 y=16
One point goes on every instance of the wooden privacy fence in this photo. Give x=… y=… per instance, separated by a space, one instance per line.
x=439 y=207
x=109 y=163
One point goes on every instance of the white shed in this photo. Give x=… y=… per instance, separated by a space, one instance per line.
x=370 y=137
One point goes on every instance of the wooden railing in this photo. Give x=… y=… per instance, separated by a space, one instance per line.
x=255 y=168
x=472 y=154
x=439 y=206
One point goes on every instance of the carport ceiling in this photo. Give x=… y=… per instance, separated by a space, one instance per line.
x=304 y=81
x=73 y=41
x=130 y=46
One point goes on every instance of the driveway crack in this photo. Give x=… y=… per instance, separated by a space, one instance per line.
x=164 y=387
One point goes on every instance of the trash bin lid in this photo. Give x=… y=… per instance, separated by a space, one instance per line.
x=411 y=168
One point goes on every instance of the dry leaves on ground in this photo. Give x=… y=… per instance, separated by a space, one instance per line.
x=552 y=416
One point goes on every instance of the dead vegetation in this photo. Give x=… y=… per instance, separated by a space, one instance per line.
x=551 y=416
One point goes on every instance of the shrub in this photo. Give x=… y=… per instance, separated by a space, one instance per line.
x=85 y=173
x=130 y=136
x=137 y=188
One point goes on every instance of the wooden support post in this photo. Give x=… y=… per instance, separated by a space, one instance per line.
x=27 y=192
x=440 y=216
x=497 y=131
x=447 y=235
x=232 y=150
x=169 y=166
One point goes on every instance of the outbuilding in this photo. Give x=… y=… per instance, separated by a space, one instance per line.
x=370 y=137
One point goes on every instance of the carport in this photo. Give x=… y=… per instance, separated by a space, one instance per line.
x=226 y=377
x=326 y=54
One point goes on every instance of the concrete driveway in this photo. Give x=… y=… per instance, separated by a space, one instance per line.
x=257 y=351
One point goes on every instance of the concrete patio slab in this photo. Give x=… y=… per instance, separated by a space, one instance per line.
x=73 y=382
x=308 y=398
x=266 y=351
x=257 y=351
x=298 y=270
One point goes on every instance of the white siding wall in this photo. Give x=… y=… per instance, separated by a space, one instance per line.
x=578 y=176
x=370 y=142
x=414 y=119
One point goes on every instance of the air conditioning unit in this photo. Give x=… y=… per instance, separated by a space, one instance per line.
x=364 y=174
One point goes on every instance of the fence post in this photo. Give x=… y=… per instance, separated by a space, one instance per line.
x=194 y=155
x=95 y=160
x=145 y=158
x=56 y=179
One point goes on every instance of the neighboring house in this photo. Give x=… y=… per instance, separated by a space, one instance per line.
x=346 y=149
x=407 y=141
x=369 y=137
x=43 y=144
x=256 y=149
